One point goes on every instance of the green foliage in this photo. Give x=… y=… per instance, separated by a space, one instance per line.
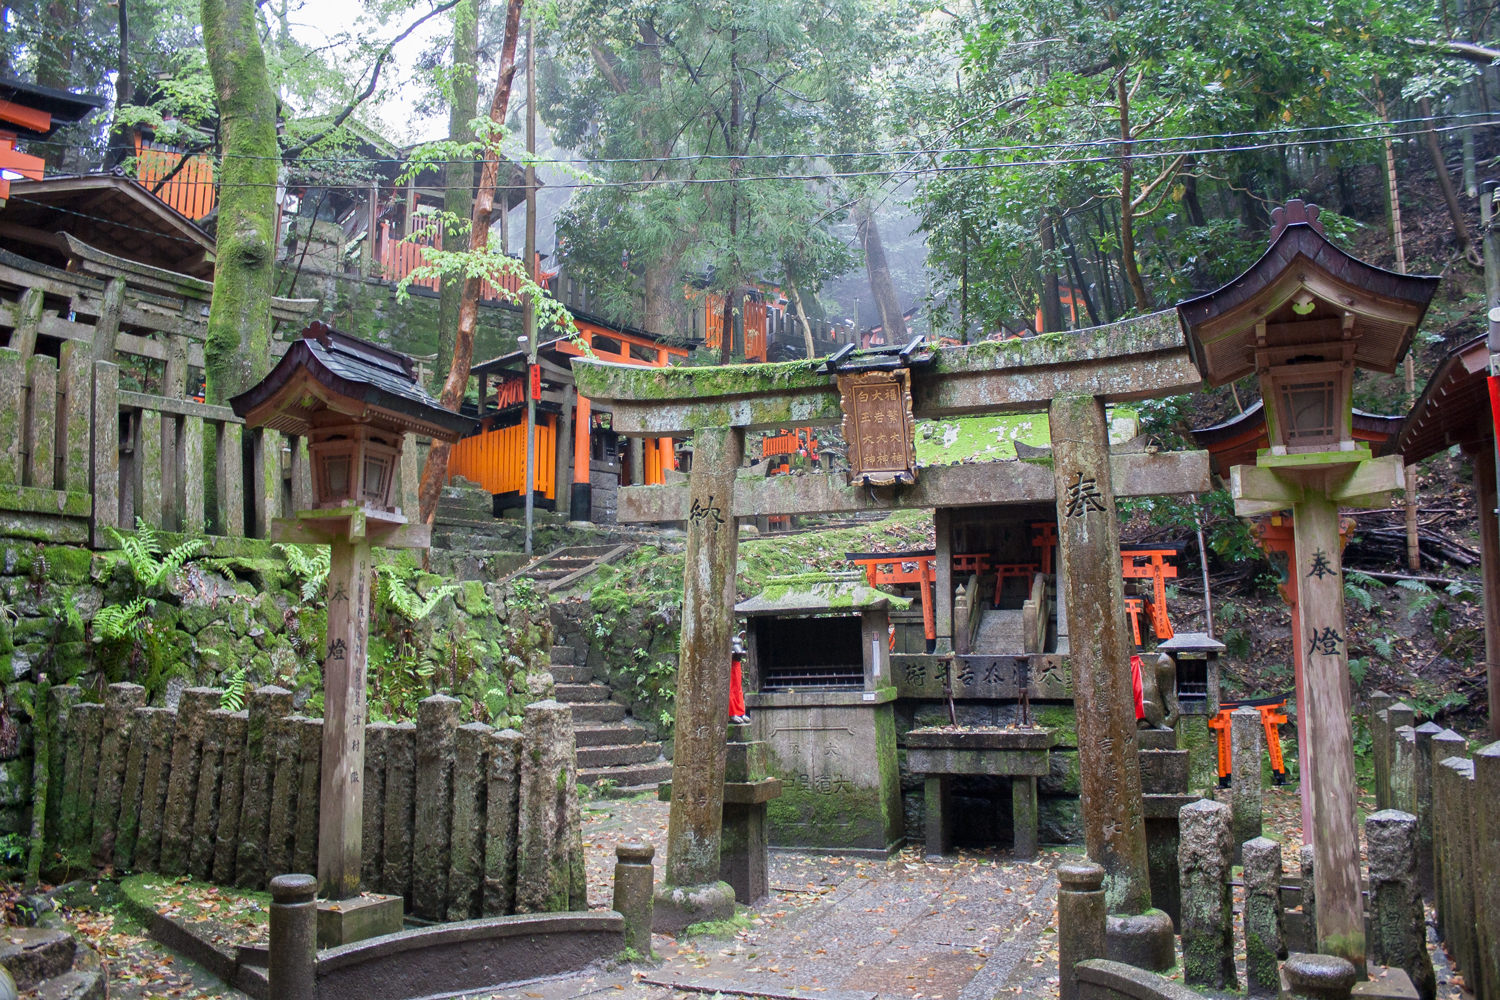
x=1228 y=537
x=309 y=564
x=143 y=554
x=393 y=593
x=233 y=698
x=116 y=622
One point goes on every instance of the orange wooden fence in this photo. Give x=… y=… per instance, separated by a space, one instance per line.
x=496 y=459
x=398 y=258
x=191 y=192
x=755 y=325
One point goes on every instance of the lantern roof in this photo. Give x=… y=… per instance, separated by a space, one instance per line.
x=1454 y=408
x=328 y=378
x=1304 y=290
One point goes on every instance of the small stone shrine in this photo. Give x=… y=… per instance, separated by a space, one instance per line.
x=818 y=687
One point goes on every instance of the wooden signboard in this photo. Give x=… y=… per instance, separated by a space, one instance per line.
x=879 y=427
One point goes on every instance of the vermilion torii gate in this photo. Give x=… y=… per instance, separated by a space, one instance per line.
x=1071 y=377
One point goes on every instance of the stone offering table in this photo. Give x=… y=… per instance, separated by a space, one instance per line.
x=939 y=753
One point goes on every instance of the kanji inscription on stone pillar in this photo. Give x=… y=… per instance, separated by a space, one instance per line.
x=341 y=798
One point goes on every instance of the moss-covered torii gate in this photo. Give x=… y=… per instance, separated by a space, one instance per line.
x=1072 y=377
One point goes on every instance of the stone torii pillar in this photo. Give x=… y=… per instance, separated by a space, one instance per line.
x=1088 y=560
x=691 y=891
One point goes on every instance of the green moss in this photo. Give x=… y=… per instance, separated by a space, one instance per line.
x=67 y=563
x=720 y=928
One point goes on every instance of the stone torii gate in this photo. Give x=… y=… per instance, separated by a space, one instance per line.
x=1069 y=376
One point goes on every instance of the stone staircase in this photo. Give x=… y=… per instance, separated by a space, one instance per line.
x=50 y=964
x=611 y=747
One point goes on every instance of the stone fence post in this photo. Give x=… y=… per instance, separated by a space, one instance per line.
x=1402 y=768
x=1204 y=857
x=1397 y=919
x=292 y=968
x=634 y=885
x=1422 y=795
x=1265 y=928
x=1487 y=854
x=1379 y=703
x=1080 y=921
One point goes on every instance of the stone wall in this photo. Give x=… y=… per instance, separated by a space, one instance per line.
x=231 y=797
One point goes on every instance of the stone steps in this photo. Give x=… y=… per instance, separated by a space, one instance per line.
x=563 y=656
x=623 y=734
x=573 y=693
x=618 y=755
x=571 y=674
x=33 y=954
x=594 y=712
x=631 y=776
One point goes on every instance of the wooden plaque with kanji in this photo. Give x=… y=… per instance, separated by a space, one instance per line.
x=879 y=427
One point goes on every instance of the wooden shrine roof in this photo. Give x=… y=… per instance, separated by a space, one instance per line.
x=1454 y=408
x=114 y=214
x=325 y=363
x=1387 y=306
x=61 y=106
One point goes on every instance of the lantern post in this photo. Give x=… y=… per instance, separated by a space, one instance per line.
x=354 y=402
x=1302 y=319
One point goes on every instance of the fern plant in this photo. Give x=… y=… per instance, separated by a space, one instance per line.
x=405 y=601
x=233 y=698
x=114 y=622
x=309 y=564
x=143 y=552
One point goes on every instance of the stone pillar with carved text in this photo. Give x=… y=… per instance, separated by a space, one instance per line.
x=1089 y=559
x=691 y=891
x=341 y=798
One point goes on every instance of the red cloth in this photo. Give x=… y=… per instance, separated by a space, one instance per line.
x=1135 y=687
x=736 y=690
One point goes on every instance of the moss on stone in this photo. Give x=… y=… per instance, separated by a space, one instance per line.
x=67 y=564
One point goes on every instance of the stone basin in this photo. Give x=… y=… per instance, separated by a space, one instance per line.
x=980 y=738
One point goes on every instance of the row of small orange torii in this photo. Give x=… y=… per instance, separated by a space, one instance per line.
x=919 y=569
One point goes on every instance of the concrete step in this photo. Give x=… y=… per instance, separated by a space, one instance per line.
x=563 y=656
x=571 y=675
x=594 y=712
x=34 y=954
x=626 y=777
x=620 y=755
x=620 y=734
x=583 y=692
x=628 y=791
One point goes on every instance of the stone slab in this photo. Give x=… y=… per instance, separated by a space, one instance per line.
x=1023 y=763
x=1156 y=739
x=1165 y=772
x=365 y=916
x=980 y=739
x=1167 y=806
x=747 y=792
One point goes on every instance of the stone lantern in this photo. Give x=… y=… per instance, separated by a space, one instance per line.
x=354 y=402
x=1302 y=319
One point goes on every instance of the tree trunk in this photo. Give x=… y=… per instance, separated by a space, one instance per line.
x=807 y=335
x=1445 y=184
x=1190 y=193
x=732 y=294
x=1082 y=285
x=878 y=271
x=458 y=178
x=119 y=139
x=435 y=471
x=1051 y=308
x=236 y=350
x=1127 y=206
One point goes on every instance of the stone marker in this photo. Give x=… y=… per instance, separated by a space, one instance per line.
x=265 y=705
x=1265 y=929
x=292 y=951
x=1487 y=858
x=1204 y=857
x=88 y=724
x=182 y=785
x=691 y=891
x=400 y=766
x=550 y=874
x=1422 y=793
x=437 y=742
x=128 y=828
x=466 y=873
x=1398 y=922
x=1401 y=772
x=372 y=813
x=231 y=798
x=1379 y=701
x=162 y=728
x=1080 y=921
x=634 y=885
x=281 y=834
x=1318 y=977
x=938 y=814
x=1445 y=744
x=502 y=808
x=1246 y=743
x=206 y=802
x=60 y=702
x=310 y=751
x=121 y=701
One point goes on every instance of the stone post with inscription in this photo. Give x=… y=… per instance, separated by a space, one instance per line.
x=341 y=799
x=1088 y=559
x=691 y=891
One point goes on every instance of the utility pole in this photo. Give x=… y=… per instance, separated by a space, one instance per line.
x=533 y=383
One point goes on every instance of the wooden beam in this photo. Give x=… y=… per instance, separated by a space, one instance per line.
x=978 y=485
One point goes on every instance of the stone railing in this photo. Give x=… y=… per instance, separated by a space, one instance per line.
x=460 y=820
x=79 y=454
x=1452 y=801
